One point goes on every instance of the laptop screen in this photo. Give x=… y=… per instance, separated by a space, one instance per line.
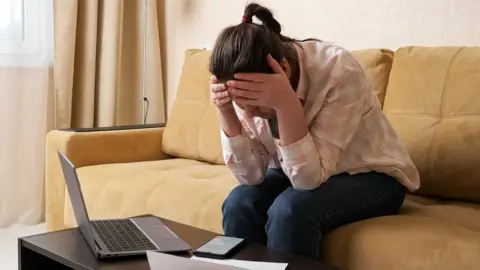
x=76 y=197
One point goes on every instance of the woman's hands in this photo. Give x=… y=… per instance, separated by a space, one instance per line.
x=272 y=91
x=259 y=89
x=254 y=89
x=219 y=94
x=229 y=121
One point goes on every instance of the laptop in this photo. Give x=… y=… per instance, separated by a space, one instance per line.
x=118 y=237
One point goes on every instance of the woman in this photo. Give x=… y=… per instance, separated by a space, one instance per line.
x=304 y=134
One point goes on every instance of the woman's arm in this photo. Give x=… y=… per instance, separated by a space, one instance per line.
x=312 y=159
x=229 y=122
x=292 y=124
x=243 y=153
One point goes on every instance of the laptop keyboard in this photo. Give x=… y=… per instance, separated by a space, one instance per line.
x=122 y=235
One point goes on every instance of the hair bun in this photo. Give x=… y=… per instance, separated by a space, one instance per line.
x=264 y=15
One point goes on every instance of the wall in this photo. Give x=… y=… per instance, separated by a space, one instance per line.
x=352 y=24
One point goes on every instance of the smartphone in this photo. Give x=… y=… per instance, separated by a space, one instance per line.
x=220 y=247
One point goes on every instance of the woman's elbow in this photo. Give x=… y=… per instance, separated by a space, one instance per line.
x=253 y=178
x=310 y=181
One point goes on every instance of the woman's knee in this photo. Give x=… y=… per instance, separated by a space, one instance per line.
x=289 y=207
x=240 y=200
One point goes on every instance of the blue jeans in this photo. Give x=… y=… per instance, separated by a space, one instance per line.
x=284 y=219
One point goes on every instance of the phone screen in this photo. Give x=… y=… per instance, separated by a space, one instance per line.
x=220 y=245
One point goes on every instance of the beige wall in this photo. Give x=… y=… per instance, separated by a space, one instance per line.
x=354 y=24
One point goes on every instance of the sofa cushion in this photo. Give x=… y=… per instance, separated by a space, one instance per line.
x=431 y=233
x=402 y=242
x=427 y=234
x=377 y=64
x=433 y=101
x=463 y=214
x=193 y=130
x=186 y=191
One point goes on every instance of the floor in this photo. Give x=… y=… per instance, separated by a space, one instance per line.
x=8 y=244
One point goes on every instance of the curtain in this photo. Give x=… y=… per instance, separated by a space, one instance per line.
x=26 y=91
x=107 y=56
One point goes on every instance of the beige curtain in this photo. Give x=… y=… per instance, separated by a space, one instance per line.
x=26 y=92
x=99 y=63
x=24 y=123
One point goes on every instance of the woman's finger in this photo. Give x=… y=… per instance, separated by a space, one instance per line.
x=220 y=95
x=247 y=101
x=253 y=77
x=218 y=87
x=246 y=85
x=236 y=92
x=222 y=101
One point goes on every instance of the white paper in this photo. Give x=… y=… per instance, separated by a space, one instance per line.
x=250 y=265
x=162 y=261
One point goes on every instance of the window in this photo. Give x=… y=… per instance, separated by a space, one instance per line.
x=26 y=32
x=11 y=20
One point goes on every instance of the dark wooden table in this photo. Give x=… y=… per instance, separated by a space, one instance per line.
x=67 y=249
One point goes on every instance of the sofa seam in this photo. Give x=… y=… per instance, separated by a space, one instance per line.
x=441 y=257
x=199 y=154
x=446 y=79
x=431 y=115
x=442 y=112
x=192 y=100
x=393 y=53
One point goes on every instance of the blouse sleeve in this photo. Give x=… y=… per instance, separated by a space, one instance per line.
x=313 y=159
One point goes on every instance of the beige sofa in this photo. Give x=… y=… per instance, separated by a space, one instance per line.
x=431 y=96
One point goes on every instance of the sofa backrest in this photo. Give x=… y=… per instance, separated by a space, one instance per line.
x=193 y=130
x=433 y=102
x=377 y=64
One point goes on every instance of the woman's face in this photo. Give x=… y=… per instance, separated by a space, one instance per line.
x=257 y=111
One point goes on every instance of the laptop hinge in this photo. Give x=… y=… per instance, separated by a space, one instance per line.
x=99 y=242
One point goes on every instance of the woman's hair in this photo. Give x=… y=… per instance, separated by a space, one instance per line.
x=244 y=47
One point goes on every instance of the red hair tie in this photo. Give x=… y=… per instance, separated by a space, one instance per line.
x=245 y=19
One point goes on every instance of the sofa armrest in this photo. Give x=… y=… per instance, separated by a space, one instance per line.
x=88 y=147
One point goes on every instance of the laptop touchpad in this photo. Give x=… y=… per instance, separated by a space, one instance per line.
x=160 y=234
